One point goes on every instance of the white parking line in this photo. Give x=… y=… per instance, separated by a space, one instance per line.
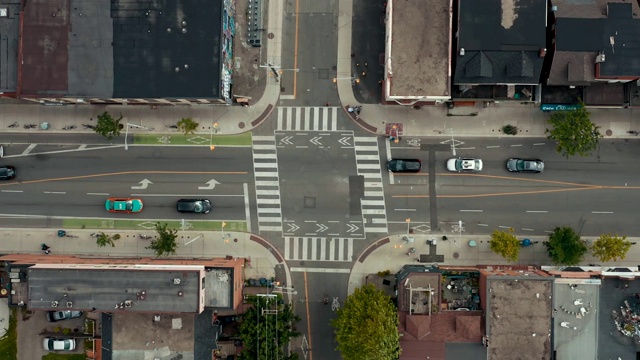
x=55 y=192
x=537 y=211
x=13 y=191
x=471 y=210
x=100 y=194
x=515 y=145
x=492 y=146
x=602 y=212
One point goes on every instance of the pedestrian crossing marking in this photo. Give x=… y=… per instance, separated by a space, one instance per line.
x=308 y=118
x=318 y=249
x=267 y=189
x=368 y=165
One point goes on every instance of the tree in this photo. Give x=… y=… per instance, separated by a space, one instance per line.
x=187 y=125
x=565 y=246
x=104 y=239
x=367 y=326
x=505 y=244
x=165 y=244
x=610 y=247
x=573 y=132
x=107 y=126
x=267 y=327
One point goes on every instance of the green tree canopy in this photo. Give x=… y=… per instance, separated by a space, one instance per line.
x=565 y=246
x=573 y=132
x=165 y=244
x=107 y=126
x=266 y=328
x=610 y=247
x=505 y=244
x=187 y=125
x=367 y=326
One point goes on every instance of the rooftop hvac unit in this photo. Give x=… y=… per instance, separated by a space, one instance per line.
x=461 y=51
x=600 y=58
x=128 y=303
x=69 y=304
x=176 y=281
x=54 y=304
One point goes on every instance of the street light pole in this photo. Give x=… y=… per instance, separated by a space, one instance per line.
x=408 y=221
x=126 y=133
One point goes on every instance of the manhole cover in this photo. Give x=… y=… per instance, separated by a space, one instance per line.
x=455 y=255
x=270 y=36
x=609 y=132
x=309 y=202
x=241 y=125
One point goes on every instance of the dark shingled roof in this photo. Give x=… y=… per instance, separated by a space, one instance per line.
x=501 y=41
x=617 y=36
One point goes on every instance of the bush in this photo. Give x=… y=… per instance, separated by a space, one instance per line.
x=384 y=273
x=510 y=130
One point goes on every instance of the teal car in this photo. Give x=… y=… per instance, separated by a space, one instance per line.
x=126 y=205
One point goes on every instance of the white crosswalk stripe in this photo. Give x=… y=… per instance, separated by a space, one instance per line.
x=318 y=249
x=374 y=212
x=318 y=118
x=265 y=169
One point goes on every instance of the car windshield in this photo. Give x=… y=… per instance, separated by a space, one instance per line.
x=197 y=206
x=123 y=205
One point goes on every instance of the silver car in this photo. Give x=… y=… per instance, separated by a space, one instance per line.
x=525 y=165
x=54 y=316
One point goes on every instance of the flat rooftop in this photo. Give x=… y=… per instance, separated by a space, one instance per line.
x=122 y=48
x=519 y=318
x=420 y=48
x=171 y=290
x=9 y=29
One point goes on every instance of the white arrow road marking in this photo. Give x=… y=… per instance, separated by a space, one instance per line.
x=143 y=185
x=345 y=141
x=322 y=227
x=286 y=140
x=292 y=227
x=316 y=140
x=352 y=228
x=210 y=185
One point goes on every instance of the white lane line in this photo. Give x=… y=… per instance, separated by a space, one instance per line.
x=82 y=147
x=333 y=234
x=310 y=221
x=247 y=212
x=537 y=211
x=466 y=148
x=515 y=145
x=504 y=227
x=405 y=209
x=302 y=147
x=482 y=224
x=100 y=194
x=387 y=148
x=538 y=144
x=29 y=149
x=320 y=270
x=471 y=210
x=186 y=195
x=525 y=229
x=13 y=191
x=404 y=222
x=602 y=212
x=492 y=146
x=55 y=192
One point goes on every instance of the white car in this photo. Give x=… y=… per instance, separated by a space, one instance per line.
x=460 y=164
x=53 y=344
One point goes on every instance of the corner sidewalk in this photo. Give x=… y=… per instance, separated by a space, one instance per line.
x=390 y=253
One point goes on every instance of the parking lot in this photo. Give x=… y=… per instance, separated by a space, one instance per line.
x=31 y=326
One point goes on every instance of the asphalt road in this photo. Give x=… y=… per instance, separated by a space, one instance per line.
x=76 y=184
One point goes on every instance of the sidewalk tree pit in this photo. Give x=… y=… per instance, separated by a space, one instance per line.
x=107 y=126
x=565 y=246
x=505 y=244
x=187 y=125
x=573 y=132
x=165 y=244
x=610 y=247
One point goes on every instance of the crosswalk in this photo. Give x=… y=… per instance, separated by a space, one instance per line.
x=374 y=212
x=265 y=169
x=318 y=249
x=310 y=118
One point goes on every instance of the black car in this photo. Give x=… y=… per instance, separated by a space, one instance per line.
x=525 y=165
x=198 y=206
x=404 y=165
x=7 y=172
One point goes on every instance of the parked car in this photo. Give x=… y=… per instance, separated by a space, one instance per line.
x=466 y=165
x=126 y=205
x=198 y=206
x=404 y=165
x=525 y=165
x=53 y=344
x=7 y=172
x=54 y=316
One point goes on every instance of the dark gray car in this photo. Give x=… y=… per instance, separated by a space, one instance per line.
x=198 y=206
x=525 y=165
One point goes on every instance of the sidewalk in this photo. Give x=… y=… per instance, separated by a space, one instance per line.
x=390 y=253
x=264 y=257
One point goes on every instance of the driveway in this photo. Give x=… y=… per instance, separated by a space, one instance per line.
x=32 y=323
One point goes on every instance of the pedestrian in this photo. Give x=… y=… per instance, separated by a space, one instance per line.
x=325 y=301
x=633 y=243
x=45 y=247
x=47 y=252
